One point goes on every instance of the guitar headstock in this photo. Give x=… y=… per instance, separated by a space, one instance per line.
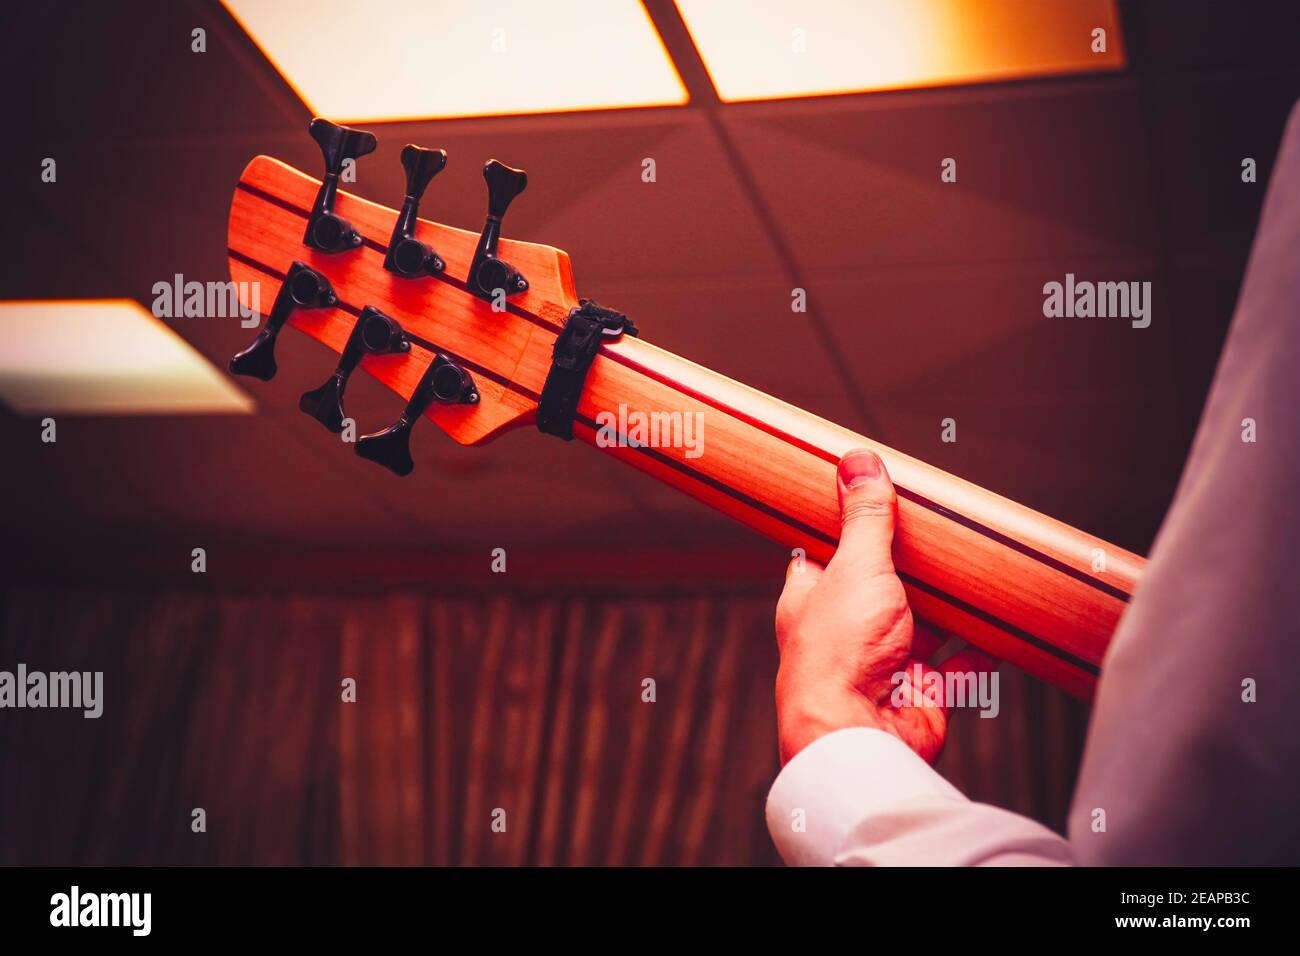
x=460 y=324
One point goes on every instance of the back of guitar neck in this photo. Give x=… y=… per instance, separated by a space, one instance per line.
x=1022 y=586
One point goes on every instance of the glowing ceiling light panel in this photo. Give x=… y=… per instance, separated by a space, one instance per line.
x=774 y=49
x=368 y=61
x=105 y=357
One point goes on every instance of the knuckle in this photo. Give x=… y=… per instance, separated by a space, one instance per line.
x=893 y=608
x=785 y=614
x=892 y=604
x=868 y=506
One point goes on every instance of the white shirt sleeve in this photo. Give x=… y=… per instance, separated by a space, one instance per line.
x=861 y=797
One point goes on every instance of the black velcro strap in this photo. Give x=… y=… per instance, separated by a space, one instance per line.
x=575 y=350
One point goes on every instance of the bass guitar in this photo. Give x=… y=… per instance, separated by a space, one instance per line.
x=481 y=334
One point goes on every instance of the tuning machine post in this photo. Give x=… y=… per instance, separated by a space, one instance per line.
x=326 y=230
x=488 y=274
x=444 y=382
x=373 y=334
x=303 y=288
x=407 y=256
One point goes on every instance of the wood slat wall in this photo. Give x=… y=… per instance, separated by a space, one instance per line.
x=528 y=704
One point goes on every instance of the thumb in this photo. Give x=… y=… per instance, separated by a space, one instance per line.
x=867 y=506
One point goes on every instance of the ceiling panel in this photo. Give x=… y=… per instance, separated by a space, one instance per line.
x=855 y=186
x=786 y=48
x=106 y=357
x=411 y=59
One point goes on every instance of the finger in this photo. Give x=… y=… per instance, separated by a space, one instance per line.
x=926 y=639
x=799 y=565
x=867 y=505
x=801 y=576
x=922 y=686
x=969 y=661
x=969 y=669
x=928 y=687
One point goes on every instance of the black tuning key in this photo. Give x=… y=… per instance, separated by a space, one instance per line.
x=407 y=256
x=325 y=230
x=487 y=273
x=443 y=381
x=373 y=334
x=303 y=288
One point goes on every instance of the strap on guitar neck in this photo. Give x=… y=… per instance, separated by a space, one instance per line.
x=575 y=349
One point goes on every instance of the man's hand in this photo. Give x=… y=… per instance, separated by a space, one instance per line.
x=845 y=631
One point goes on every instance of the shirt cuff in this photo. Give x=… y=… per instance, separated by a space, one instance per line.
x=837 y=781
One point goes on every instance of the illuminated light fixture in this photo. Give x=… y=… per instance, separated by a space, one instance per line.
x=356 y=61
x=105 y=357
x=785 y=48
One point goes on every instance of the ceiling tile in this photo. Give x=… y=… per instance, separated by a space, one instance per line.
x=855 y=185
x=786 y=48
x=105 y=357
x=405 y=59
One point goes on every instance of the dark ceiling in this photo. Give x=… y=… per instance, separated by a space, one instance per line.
x=925 y=298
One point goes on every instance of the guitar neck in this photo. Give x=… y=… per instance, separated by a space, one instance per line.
x=1020 y=585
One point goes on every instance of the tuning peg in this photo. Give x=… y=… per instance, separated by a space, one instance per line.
x=373 y=334
x=302 y=288
x=443 y=381
x=407 y=256
x=326 y=231
x=487 y=273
